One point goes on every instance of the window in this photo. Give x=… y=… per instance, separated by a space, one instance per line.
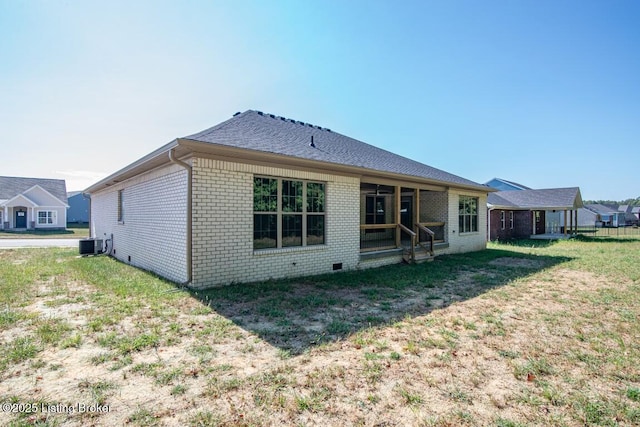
x=511 y=220
x=47 y=217
x=120 y=205
x=502 y=219
x=468 y=214
x=287 y=213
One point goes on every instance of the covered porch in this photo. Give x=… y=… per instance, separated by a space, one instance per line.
x=398 y=219
x=18 y=214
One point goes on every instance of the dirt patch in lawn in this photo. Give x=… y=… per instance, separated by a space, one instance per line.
x=517 y=263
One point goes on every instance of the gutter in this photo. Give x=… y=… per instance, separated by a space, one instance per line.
x=189 y=211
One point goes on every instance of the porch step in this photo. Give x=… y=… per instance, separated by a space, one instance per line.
x=420 y=256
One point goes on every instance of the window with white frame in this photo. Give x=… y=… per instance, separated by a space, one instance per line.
x=511 y=220
x=287 y=212
x=47 y=217
x=502 y=220
x=468 y=214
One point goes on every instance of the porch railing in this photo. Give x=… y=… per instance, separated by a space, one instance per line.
x=412 y=236
x=430 y=238
x=378 y=237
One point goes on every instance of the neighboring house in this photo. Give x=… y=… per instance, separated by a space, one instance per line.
x=261 y=196
x=32 y=203
x=636 y=213
x=607 y=216
x=531 y=213
x=630 y=217
x=78 y=211
x=504 y=185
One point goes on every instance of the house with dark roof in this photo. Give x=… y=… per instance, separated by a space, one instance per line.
x=630 y=217
x=546 y=213
x=263 y=196
x=32 y=203
x=607 y=215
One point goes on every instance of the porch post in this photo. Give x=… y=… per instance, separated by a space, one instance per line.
x=571 y=222
x=416 y=218
x=576 y=221
x=397 y=217
x=565 y=222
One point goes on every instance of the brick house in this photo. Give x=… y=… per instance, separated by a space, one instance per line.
x=32 y=203
x=261 y=196
x=517 y=214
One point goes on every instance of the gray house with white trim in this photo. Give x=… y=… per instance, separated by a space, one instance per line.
x=32 y=203
x=261 y=196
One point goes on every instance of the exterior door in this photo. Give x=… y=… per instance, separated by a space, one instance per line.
x=21 y=219
x=539 y=222
x=406 y=211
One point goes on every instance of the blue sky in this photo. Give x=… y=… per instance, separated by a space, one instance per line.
x=545 y=93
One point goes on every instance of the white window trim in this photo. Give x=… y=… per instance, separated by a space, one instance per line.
x=511 y=220
x=50 y=218
x=502 y=220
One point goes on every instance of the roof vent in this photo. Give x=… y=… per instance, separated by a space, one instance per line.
x=260 y=112
x=292 y=121
x=283 y=119
x=272 y=116
x=236 y=114
x=312 y=144
x=327 y=129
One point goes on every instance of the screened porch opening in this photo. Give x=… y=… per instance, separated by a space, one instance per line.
x=394 y=217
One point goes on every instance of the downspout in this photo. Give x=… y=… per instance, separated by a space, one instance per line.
x=189 y=210
x=489 y=223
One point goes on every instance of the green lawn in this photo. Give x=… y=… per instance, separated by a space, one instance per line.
x=72 y=232
x=524 y=334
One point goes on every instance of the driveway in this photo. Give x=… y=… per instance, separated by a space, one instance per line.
x=38 y=243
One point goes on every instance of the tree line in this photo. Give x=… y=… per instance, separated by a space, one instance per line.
x=632 y=202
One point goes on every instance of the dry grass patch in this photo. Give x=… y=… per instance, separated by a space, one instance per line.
x=533 y=334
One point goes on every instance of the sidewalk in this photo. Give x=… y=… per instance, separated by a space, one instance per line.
x=38 y=243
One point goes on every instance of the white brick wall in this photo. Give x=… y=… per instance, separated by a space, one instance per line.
x=223 y=226
x=466 y=242
x=153 y=232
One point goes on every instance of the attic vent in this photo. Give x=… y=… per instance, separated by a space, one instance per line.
x=260 y=112
x=236 y=114
x=292 y=121
x=302 y=123
x=327 y=129
x=272 y=116
x=283 y=119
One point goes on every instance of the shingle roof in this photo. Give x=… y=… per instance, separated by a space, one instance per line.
x=550 y=198
x=601 y=209
x=254 y=130
x=11 y=186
